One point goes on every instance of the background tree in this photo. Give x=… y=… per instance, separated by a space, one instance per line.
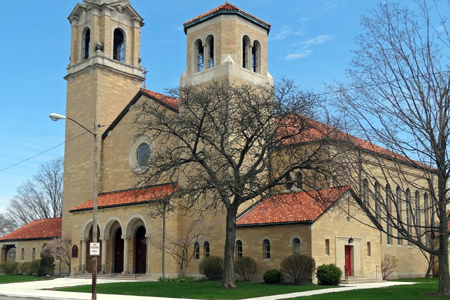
x=41 y=197
x=399 y=97
x=7 y=224
x=60 y=249
x=181 y=248
x=224 y=135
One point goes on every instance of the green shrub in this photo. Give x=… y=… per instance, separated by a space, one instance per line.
x=9 y=268
x=46 y=266
x=298 y=268
x=212 y=267
x=329 y=275
x=245 y=267
x=176 y=279
x=273 y=276
x=25 y=268
x=34 y=267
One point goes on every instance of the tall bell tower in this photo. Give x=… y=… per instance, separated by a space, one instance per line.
x=226 y=43
x=103 y=75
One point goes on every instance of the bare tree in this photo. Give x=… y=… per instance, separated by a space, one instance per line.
x=179 y=245
x=61 y=249
x=7 y=224
x=223 y=137
x=399 y=97
x=41 y=197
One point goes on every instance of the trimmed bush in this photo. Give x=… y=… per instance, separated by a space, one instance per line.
x=245 y=267
x=46 y=266
x=9 y=268
x=212 y=267
x=273 y=276
x=329 y=275
x=298 y=268
x=34 y=267
x=25 y=268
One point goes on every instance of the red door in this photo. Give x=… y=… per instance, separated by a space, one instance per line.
x=348 y=260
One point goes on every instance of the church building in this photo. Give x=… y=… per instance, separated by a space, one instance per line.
x=104 y=85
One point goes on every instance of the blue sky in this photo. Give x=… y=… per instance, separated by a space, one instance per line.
x=310 y=42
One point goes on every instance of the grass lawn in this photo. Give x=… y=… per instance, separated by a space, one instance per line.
x=410 y=292
x=18 y=278
x=193 y=290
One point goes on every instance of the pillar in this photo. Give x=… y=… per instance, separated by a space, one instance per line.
x=83 y=256
x=104 y=243
x=148 y=236
x=125 y=254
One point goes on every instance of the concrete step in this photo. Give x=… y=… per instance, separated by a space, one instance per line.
x=355 y=280
x=115 y=276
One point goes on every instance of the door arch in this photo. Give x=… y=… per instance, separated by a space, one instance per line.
x=118 y=251
x=140 y=261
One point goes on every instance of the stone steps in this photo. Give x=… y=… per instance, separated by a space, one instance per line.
x=355 y=280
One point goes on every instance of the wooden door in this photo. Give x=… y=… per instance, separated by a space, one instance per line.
x=118 y=252
x=141 y=251
x=348 y=260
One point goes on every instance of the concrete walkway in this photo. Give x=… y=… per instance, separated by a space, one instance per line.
x=40 y=290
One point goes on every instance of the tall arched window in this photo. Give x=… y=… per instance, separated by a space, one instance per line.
x=266 y=249
x=33 y=254
x=74 y=251
x=118 y=45
x=206 y=246
x=22 y=254
x=256 y=57
x=417 y=211
x=199 y=55
x=210 y=52
x=376 y=199
x=299 y=180
x=425 y=210
x=288 y=184
x=296 y=246
x=408 y=211
x=388 y=210
x=86 y=43
x=238 y=248
x=246 y=52
x=197 y=250
x=365 y=191
x=398 y=203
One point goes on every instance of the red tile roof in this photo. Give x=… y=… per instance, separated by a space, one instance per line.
x=122 y=198
x=292 y=207
x=172 y=102
x=227 y=7
x=315 y=131
x=38 y=229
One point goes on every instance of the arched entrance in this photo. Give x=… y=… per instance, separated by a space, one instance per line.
x=141 y=251
x=118 y=251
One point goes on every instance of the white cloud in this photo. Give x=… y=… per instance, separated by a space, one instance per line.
x=290 y=30
x=317 y=40
x=299 y=55
x=331 y=4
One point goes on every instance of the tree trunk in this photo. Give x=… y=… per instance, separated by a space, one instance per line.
x=228 y=276
x=444 y=288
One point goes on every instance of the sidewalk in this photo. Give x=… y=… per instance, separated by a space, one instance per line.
x=39 y=290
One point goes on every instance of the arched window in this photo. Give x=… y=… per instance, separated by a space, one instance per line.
x=206 y=245
x=199 y=55
x=365 y=191
x=425 y=209
x=417 y=211
x=118 y=45
x=398 y=203
x=86 y=43
x=238 y=248
x=288 y=184
x=256 y=57
x=296 y=246
x=33 y=254
x=246 y=52
x=22 y=254
x=388 y=210
x=74 y=251
x=408 y=211
x=197 y=250
x=210 y=52
x=266 y=249
x=299 y=180
x=376 y=199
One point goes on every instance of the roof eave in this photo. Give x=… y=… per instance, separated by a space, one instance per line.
x=276 y=224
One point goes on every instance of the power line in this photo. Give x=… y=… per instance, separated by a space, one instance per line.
x=29 y=158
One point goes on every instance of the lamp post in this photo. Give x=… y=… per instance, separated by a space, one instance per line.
x=56 y=117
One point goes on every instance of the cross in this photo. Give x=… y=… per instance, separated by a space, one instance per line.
x=145 y=78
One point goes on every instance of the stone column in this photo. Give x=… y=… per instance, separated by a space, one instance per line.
x=83 y=256
x=104 y=243
x=148 y=236
x=125 y=254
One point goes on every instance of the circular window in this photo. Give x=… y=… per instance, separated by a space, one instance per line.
x=143 y=154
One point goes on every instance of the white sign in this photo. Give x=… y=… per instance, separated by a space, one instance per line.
x=94 y=249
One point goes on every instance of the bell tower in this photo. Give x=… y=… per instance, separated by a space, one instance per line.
x=226 y=43
x=103 y=75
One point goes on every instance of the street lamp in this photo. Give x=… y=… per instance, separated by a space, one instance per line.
x=56 y=117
